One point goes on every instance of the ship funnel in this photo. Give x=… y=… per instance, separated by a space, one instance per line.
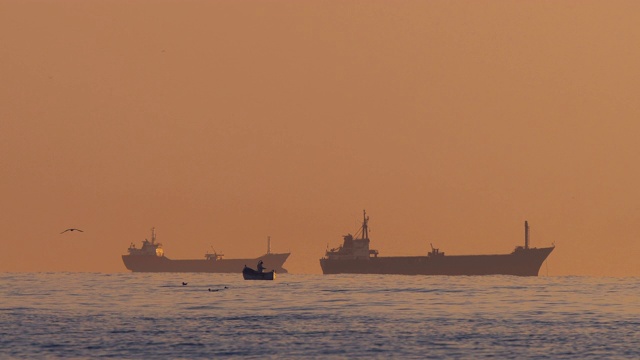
x=526 y=234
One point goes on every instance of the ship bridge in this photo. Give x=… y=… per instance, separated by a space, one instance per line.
x=149 y=248
x=354 y=248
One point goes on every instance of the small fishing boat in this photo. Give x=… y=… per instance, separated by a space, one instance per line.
x=250 y=274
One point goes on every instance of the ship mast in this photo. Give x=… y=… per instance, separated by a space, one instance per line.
x=153 y=235
x=268 y=245
x=365 y=227
x=526 y=235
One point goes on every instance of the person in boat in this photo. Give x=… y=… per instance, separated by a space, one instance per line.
x=260 y=266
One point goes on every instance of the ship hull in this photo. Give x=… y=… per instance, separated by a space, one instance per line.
x=137 y=263
x=521 y=263
x=250 y=274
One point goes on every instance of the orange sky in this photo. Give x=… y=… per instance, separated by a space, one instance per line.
x=224 y=122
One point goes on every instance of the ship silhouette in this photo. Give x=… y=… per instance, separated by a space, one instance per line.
x=355 y=257
x=150 y=258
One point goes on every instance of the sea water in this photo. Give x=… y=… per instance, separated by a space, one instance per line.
x=135 y=315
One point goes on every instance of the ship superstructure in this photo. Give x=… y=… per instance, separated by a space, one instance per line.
x=149 y=248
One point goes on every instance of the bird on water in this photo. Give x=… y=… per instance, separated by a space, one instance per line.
x=71 y=230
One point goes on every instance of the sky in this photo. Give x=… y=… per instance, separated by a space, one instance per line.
x=221 y=123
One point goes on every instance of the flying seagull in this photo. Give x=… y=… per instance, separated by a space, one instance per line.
x=184 y=284
x=71 y=230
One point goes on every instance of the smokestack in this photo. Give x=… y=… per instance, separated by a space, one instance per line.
x=526 y=235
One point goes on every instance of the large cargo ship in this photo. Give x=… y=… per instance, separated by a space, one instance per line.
x=150 y=258
x=355 y=257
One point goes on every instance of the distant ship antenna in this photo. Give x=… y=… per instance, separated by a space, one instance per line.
x=268 y=245
x=526 y=234
x=365 y=227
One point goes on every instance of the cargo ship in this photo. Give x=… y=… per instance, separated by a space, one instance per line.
x=355 y=257
x=150 y=258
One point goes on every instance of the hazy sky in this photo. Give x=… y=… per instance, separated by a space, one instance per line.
x=224 y=122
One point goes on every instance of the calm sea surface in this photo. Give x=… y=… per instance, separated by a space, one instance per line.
x=88 y=315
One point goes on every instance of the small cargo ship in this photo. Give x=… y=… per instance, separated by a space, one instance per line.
x=150 y=258
x=355 y=257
